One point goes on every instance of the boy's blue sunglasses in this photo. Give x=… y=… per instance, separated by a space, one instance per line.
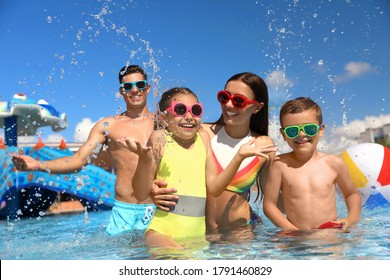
x=310 y=129
x=128 y=86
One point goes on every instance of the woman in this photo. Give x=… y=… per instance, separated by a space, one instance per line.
x=244 y=105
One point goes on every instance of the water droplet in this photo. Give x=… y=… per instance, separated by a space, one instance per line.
x=87 y=220
x=63 y=124
x=78 y=35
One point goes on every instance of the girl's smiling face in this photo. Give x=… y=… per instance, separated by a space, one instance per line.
x=183 y=128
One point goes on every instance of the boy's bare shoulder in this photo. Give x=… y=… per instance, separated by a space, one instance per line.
x=282 y=159
x=334 y=160
x=330 y=157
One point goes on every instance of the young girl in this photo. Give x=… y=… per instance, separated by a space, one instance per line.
x=244 y=106
x=181 y=155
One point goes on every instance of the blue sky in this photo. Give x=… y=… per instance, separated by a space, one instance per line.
x=69 y=53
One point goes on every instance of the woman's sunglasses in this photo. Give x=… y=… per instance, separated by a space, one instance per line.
x=128 y=86
x=310 y=129
x=239 y=101
x=180 y=110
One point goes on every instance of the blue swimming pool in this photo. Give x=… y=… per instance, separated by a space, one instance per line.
x=82 y=236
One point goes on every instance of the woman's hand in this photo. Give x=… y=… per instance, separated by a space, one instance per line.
x=162 y=196
x=249 y=149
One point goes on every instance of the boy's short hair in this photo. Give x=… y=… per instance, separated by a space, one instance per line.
x=299 y=105
x=130 y=69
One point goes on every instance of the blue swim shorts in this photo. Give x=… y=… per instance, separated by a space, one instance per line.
x=127 y=217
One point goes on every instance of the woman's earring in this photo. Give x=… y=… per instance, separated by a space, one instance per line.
x=256 y=111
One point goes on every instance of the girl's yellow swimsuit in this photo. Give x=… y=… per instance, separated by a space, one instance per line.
x=183 y=169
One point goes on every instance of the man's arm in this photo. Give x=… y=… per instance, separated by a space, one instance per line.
x=68 y=164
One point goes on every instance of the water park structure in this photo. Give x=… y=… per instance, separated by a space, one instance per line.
x=33 y=194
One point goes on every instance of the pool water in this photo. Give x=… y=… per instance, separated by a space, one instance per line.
x=82 y=236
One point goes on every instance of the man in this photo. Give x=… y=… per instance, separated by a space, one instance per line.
x=137 y=122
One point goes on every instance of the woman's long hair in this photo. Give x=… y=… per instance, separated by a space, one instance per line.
x=259 y=122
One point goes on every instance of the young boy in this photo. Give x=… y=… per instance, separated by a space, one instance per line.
x=306 y=177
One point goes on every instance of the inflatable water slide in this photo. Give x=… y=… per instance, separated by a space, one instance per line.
x=29 y=194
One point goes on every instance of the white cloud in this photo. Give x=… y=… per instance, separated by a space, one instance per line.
x=31 y=140
x=355 y=127
x=54 y=138
x=277 y=79
x=27 y=139
x=352 y=70
x=82 y=130
x=339 y=138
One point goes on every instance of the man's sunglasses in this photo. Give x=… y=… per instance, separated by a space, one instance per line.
x=128 y=86
x=310 y=129
x=180 y=110
x=239 y=101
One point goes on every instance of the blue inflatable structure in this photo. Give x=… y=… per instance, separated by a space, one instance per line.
x=30 y=193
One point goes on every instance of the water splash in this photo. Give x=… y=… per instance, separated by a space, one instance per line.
x=87 y=220
x=292 y=47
